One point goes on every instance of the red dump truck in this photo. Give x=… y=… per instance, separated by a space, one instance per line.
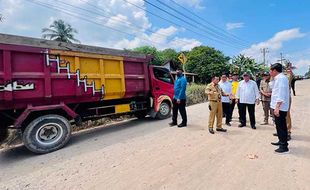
x=46 y=86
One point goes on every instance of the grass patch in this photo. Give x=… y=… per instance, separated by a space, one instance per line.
x=195 y=94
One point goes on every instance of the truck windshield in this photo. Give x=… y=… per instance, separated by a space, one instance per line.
x=163 y=74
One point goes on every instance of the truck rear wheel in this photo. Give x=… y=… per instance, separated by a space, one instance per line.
x=164 y=110
x=47 y=133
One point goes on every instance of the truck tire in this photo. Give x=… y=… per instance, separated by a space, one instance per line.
x=164 y=111
x=140 y=114
x=47 y=133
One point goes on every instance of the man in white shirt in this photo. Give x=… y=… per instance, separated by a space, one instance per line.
x=246 y=96
x=226 y=87
x=280 y=105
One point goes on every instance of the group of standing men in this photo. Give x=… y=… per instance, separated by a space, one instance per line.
x=225 y=94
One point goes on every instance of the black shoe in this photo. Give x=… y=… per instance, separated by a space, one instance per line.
x=275 y=134
x=276 y=143
x=282 y=150
x=211 y=131
x=241 y=125
x=228 y=124
x=182 y=125
x=172 y=124
x=289 y=137
x=221 y=130
x=253 y=127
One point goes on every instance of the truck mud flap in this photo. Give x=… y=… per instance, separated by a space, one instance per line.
x=8 y=136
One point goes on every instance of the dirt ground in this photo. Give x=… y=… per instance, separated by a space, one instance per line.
x=147 y=154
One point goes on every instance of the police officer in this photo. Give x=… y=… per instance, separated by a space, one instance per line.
x=215 y=93
x=265 y=92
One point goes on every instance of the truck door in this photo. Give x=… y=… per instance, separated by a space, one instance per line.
x=162 y=82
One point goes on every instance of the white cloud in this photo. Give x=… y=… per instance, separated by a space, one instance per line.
x=162 y=39
x=302 y=63
x=23 y=20
x=234 y=25
x=274 y=43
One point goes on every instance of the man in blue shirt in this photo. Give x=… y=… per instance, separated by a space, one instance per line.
x=179 y=100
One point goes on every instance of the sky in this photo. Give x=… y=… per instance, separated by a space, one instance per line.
x=231 y=26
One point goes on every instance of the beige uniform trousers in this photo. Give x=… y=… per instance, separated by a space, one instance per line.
x=215 y=112
x=288 y=118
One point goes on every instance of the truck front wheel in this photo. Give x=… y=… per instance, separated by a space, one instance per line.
x=47 y=133
x=164 y=110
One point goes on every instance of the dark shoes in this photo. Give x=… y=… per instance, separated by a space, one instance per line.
x=241 y=125
x=253 y=127
x=211 y=131
x=182 y=125
x=275 y=134
x=221 y=130
x=282 y=150
x=172 y=124
x=228 y=124
x=276 y=143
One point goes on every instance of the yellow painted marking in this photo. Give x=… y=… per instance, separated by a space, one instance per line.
x=122 y=108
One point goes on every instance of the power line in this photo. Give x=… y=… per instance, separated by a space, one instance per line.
x=209 y=30
x=203 y=19
x=66 y=11
x=174 y=23
x=119 y=20
x=181 y=19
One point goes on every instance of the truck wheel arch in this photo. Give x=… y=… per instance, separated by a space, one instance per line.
x=31 y=113
x=164 y=99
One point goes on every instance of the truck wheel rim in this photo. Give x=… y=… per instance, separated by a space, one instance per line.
x=49 y=133
x=164 y=109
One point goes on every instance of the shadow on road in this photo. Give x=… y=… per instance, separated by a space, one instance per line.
x=300 y=151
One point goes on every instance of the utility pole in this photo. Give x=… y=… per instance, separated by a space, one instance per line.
x=281 y=58
x=264 y=51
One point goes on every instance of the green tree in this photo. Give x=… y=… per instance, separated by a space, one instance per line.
x=170 y=55
x=242 y=64
x=206 y=62
x=60 y=31
x=151 y=51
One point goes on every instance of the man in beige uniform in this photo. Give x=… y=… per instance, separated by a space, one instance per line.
x=265 y=92
x=289 y=74
x=214 y=93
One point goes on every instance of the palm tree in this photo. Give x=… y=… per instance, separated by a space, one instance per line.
x=60 y=31
x=242 y=63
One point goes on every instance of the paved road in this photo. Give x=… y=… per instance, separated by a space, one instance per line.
x=150 y=155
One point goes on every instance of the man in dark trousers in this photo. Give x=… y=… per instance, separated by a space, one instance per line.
x=247 y=95
x=179 y=100
x=280 y=105
x=293 y=85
